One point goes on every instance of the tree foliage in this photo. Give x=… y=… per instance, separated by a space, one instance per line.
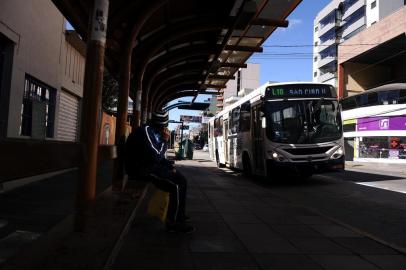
x=110 y=91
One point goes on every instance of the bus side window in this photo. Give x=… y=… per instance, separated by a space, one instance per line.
x=235 y=118
x=372 y=99
x=220 y=127
x=402 y=96
x=245 y=117
x=348 y=103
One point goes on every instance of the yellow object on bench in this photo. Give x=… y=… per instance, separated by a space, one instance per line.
x=158 y=205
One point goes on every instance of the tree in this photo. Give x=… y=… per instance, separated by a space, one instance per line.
x=110 y=92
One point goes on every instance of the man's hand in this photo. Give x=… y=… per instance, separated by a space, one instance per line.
x=166 y=134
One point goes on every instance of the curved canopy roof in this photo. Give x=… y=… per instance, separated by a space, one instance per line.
x=183 y=47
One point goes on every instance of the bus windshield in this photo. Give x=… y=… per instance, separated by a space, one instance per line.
x=303 y=121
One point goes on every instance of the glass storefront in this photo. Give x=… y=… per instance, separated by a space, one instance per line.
x=382 y=147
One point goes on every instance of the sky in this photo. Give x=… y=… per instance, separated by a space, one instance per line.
x=283 y=62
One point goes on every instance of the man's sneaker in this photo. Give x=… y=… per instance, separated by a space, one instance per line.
x=179 y=227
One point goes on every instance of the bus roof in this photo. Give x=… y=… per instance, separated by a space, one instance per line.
x=386 y=87
x=260 y=91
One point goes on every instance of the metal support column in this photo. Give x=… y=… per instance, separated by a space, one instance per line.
x=91 y=112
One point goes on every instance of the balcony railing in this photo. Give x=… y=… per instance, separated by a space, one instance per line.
x=353 y=8
x=328 y=27
x=328 y=43
x=327 y=76
x=326 y=60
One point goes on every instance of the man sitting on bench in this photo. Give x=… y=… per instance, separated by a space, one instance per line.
x=145 y=161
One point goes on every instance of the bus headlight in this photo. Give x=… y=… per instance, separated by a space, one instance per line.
x=276 y=156
x=337 y=153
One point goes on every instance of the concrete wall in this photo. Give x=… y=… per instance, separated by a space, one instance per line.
x=388 y=28
x=249 y=79
x=372 y=13
x=359 y=77
x=250 y=76
x=37 y=29
x=386 y=7
x=37 y=51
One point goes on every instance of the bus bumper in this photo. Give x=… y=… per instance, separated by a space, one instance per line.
x=332 y=165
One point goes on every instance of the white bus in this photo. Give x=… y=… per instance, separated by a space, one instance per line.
x=375 y=124
x=282 y=127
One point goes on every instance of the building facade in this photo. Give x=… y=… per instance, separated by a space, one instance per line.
x=379 y=61
x=339 y=21
x=244 y=78
x=372 y=83
x=41 y=72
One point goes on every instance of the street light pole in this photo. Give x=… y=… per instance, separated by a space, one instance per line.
x=181 y=139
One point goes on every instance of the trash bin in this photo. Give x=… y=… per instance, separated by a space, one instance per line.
x=189 y=147
x=180 y=150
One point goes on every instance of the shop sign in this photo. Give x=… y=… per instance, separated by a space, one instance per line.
x=191 y=118
x=381 y=123
x=205 y=119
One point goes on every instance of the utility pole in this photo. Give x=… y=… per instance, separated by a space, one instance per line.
x=90 y=127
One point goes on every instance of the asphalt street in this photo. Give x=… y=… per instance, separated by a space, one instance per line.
x=373 y=204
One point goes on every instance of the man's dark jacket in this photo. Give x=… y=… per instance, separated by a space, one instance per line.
x=144 y=152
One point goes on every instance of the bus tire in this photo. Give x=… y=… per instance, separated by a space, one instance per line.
x=246 y=164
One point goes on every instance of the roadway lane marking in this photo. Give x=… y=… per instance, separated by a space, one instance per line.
x=392 y=185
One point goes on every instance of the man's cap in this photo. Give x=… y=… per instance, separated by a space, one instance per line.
x=160 y=118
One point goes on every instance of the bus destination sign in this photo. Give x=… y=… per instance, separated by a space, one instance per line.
x=300 y=91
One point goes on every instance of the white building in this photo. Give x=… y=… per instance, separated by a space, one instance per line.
x=244 y=78
x=42 y=68
x=339 y=21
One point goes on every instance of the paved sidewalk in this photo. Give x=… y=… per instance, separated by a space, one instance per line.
x=243 y=226
x=377 y=168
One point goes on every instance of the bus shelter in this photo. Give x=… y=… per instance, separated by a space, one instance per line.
x=161 y=50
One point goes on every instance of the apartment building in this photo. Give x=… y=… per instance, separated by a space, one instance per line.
x=247 y=78
x=42 y=68
x=339 y=21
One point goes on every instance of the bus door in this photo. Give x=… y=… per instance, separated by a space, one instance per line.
x=257 y=140
x=226 y=147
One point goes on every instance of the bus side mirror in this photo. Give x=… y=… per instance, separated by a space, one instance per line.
x=263 y=122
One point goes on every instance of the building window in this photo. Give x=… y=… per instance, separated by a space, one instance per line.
x=235 y=121
x=315 y=74
x=316 y=43
x=317 y=28
x=329 y=35
x=38 y=107
x=315 y=59
x=330 y=18
x=373 y=4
